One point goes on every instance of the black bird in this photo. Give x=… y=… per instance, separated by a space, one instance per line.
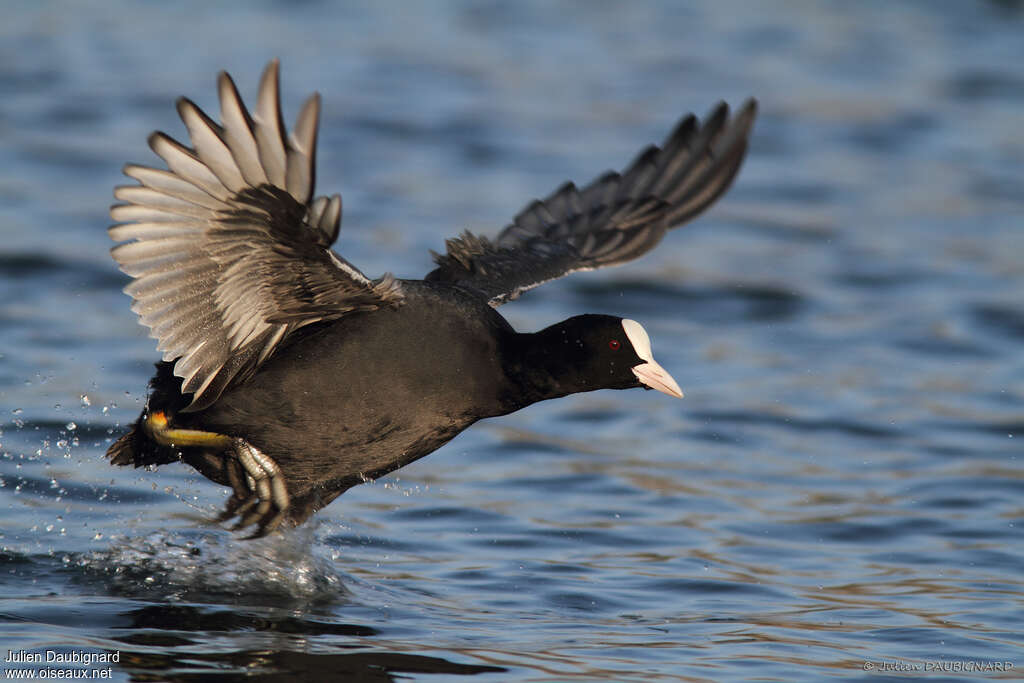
x=291 y=376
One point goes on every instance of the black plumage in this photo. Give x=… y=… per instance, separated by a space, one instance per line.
x=291 y=376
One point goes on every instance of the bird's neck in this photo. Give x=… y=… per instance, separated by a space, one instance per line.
x=540 y=366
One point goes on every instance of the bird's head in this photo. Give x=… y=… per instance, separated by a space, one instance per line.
x=588 y=352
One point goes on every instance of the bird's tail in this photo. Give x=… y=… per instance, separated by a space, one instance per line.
x=138 y=446
x=122 y=451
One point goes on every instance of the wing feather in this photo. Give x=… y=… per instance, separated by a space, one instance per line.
x=211 y=148
x=186 y=164
x=238 y=132
x=269 y=127
x=301 y=155
x=168 y=184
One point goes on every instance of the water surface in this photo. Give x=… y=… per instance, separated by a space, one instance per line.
x=839 y=493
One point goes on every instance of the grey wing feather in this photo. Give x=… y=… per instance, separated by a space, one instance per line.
x=614 y=219
x=228 y=251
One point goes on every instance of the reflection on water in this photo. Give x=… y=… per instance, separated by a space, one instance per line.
x=362 y=667
x=841 y=485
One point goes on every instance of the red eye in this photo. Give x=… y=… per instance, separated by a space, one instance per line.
x=614 y=345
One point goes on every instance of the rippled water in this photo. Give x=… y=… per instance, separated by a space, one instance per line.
x=842 y=484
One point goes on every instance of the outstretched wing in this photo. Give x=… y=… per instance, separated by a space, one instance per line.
x=230 y=253
x=614 y=219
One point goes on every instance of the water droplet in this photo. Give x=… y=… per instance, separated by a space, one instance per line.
x=85 y=400
x=71 y=426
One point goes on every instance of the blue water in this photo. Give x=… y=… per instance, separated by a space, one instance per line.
x=841 y=492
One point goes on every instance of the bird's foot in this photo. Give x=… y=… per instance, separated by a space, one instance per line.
x=260 y=495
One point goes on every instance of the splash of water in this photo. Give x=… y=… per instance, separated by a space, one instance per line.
x=211 y=565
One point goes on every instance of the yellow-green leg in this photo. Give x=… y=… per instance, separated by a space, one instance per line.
x=267 y=501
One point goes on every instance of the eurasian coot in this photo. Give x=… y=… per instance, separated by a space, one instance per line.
x=291 y=376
